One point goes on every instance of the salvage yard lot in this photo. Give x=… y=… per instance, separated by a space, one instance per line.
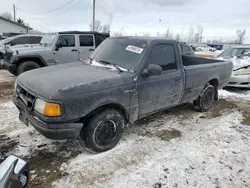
x=176 y=148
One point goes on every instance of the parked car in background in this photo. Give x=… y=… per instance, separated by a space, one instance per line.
x=206 y=48
x=14 y=173
x=63 y=47
x=235 y=52
x=18 y=41
x=240 y=56
x=125 y=79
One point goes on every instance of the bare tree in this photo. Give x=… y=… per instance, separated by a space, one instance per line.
x=119 y=33
x=168 y=34
x=190 y=35
x=198 y=36
x=240 y=36
x=178 y=37
x=7 y=15
x=20 y=21
x=98 y=26
x=105 y=28
x=145 y=34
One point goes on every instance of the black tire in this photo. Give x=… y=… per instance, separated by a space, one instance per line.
x=206 y=99
x=103 y=130
x=27 y=66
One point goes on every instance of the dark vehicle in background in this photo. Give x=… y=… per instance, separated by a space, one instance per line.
x=59 y=48
x=125 y=79
x=18 y=41
x=14 y=173
x=235 y=52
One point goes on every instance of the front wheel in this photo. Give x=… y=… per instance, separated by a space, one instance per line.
x=103 y=130
x=27 y=66
x=206 y=98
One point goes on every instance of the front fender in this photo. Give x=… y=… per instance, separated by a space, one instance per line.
x=18 y=58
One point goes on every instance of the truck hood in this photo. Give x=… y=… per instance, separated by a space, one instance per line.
x=28 y=49
x=24 y=47
x=62 y=81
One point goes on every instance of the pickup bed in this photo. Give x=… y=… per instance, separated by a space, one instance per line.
x=125 y=79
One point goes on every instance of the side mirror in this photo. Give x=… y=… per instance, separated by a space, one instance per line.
x=13 y=173
x=58 y=45
x=151 y=70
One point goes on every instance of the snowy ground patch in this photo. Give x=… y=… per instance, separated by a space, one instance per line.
x=176 y=148
x=235 y=95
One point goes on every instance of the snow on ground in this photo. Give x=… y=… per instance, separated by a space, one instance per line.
x=210 y=153
x=28 y=139
x=236 y=95
x=180 y=148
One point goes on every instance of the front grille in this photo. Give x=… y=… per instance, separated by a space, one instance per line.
x=232 y=83
x=25 y=97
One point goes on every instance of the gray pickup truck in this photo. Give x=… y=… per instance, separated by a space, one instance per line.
x=125 y=79
x=62 y=47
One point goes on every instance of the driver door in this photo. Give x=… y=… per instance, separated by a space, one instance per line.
x=66 y=50
x=157 y=92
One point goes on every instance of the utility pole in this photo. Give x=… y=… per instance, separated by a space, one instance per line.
x=93 y=21
x=14 y=10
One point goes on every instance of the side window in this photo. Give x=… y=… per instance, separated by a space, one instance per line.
x=163 y=55
x=86 y=40
x=66 y=41
x=20 y=40
x=35 y=40
x=186 y=48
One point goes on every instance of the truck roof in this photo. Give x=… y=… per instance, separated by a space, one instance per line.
x=146 y=38
x=83 y=32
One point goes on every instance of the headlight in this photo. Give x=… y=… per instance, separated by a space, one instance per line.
x=47 y=109
x=242 y=72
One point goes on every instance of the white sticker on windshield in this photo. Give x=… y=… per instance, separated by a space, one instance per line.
x=134 y=49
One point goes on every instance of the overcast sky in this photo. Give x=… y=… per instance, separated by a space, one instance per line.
x=219 y=18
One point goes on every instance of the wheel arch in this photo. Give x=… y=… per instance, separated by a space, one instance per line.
x=37 y=59
x=119 y=107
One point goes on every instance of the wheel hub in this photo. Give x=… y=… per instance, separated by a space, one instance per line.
x=105 y=132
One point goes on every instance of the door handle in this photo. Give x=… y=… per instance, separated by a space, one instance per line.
x=177 y=78
x=74 y=50
x=91 y=49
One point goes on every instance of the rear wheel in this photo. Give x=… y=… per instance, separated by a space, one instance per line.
x=27 y=66
x=206 y=98
x=103 y=130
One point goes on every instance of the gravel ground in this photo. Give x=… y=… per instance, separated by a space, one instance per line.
x=176 y=148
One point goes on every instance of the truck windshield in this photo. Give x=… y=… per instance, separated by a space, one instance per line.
x=123 y=52
x=48 y=39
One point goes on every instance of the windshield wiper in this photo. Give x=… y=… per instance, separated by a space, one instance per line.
x=244 y=67
x=114 y=65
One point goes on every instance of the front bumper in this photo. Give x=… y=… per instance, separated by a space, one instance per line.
x=55 y=131
x=240 y=81
x=8 y=66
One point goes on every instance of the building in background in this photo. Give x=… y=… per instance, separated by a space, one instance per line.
x=10 y=28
